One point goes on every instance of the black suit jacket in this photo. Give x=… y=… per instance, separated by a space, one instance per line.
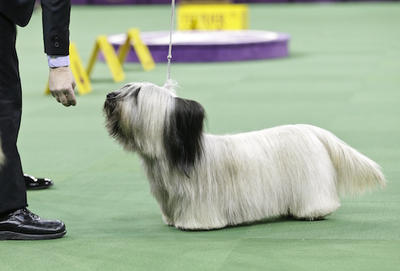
x=55 y=19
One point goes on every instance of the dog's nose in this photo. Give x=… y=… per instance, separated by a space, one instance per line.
x=111 y=95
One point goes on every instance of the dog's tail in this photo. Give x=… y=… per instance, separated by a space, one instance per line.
x=356 y=173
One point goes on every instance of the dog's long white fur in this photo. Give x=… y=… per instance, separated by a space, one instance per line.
x=297 y=170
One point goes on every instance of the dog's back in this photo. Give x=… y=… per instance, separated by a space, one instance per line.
x=356 y=173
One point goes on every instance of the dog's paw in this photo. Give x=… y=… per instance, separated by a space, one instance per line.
x=198 y=227
x=195 y=229
x=318 y=212
x=318 y=218
x=167 y=221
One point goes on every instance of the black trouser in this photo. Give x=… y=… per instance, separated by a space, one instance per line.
x=12 y=186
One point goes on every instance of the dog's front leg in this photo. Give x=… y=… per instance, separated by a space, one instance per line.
x=161 y=195
x=197 y=215
x=168 y=221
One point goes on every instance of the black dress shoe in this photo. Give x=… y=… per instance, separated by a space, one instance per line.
x=33 y=183
x=22 y=224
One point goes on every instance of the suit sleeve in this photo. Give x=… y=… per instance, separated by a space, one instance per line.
x=18 y=11
x=55 y=19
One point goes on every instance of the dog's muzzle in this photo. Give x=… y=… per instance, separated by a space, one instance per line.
x=111 y=95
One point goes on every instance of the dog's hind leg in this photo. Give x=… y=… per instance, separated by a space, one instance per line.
x=317 y=196
x=317 y=211
x=315 y=207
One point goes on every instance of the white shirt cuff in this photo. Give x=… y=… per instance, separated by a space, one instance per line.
x=58 y=61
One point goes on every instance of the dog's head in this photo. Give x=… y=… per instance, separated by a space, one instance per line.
x=153 y=121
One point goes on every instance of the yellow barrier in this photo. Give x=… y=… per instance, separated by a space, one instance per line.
x=142 y=51
x=110 y=58
x=213 y=17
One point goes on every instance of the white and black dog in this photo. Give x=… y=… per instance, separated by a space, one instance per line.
x=203 y=181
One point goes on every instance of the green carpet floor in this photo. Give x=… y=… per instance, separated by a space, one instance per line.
x=343 y=74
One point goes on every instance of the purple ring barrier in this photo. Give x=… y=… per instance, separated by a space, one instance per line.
x=79 y=2
x=113 y=2
x=210 y=46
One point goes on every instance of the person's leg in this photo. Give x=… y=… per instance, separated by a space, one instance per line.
x=13 y=191
x=16 y=222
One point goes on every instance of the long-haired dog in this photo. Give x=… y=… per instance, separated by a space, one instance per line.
x=204 y=181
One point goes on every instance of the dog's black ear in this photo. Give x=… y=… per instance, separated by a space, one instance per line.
x=183 y=134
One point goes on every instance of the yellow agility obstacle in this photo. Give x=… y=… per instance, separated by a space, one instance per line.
x=142 y=51
x=110 y=58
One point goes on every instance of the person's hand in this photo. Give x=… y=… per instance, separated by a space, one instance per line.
x=61 y=85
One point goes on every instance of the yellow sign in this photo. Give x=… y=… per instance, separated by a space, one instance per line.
x=110 y=58
x=81 y=78
x=213 y=17
x=142 y=51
